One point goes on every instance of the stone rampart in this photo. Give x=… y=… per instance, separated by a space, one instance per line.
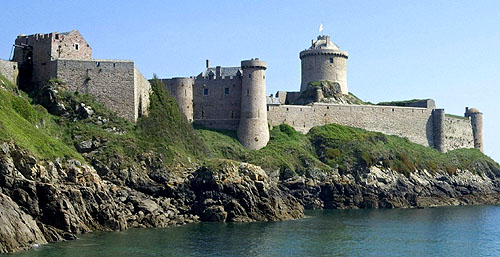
x=416 y=124
x=116 y=84
x=457 y=133
x=142 y=89
x=9 y=70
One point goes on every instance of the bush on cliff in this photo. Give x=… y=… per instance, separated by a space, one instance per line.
x=166 y=125
x=165 y=131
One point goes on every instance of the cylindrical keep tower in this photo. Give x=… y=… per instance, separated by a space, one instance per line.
x=324 y=61
x=438 y=116
x=253 y=131
x=182 y=90
x=477 y=126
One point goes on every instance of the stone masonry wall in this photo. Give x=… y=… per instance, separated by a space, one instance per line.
x=142 y=90
x=416 y=124
x=457 y=133
x=111 y=82
x=217 y=109
x=9 y=70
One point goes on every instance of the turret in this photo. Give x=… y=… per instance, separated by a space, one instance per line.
x=253 y=130
x=182 y=90
x=477 y=126
x=324 y=61
x=438 y=116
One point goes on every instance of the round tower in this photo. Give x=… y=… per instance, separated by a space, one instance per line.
x=477 y=126
x=253 y=131
x=182 y=90
x=324 y=61
x=439 y=117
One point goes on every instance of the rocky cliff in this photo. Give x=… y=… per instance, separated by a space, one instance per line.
x=72 y=167
x=45 y=201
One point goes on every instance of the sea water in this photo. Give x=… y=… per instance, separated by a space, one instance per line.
x=444 y=231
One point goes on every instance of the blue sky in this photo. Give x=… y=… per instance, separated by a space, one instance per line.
x=445 y=50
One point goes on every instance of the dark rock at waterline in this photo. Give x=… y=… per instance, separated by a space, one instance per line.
x=239 y=192
x=45 y=201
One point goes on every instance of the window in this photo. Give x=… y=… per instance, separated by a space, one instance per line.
x=331 y=60
x=226 y=91
x=248 y=91
x=264 y=76
x=250 y=75
x=76 y=47
x=97 y=64
x=57 y=36
x=205 y=91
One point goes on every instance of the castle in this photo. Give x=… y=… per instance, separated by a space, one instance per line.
x=117 y=84
x=234 y=98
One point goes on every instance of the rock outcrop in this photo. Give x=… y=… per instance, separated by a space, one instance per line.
x=241 y=192
x=44 y=201
x=378 y=187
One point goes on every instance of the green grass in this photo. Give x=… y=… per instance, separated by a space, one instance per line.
x=30 y=126
x=345 y=148
x=287 y=150
x=456 y=116
x=401 y=103
x=164 y=132
x=167 y=134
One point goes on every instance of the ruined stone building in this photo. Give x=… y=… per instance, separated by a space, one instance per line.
x=117 y=84
x=233 y=98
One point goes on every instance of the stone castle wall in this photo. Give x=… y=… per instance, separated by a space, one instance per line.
x=142 y=90
x=182 y=90
x=217 y=102
x=111 y=82
x=416 y=124
x=457 y=133
x=44 y=48
x=9 y=70
x=324 y=65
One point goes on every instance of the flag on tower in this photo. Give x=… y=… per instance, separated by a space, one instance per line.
x=321 y=27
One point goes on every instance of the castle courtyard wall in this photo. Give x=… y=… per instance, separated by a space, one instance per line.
x=416 y=124
x=111 y=82
x=457 y=133
x=9 y=70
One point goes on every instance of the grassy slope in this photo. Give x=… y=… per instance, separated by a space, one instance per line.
x=166 y=131
x=30 y=126
x=286 y=150
x=345 y=148
x=401 y=103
